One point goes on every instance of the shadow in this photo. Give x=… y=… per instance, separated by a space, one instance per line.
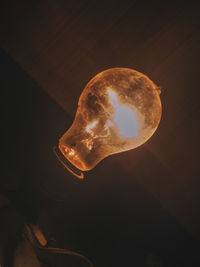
x=110 y=217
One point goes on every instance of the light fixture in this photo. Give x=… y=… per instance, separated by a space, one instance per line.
x=118 y=110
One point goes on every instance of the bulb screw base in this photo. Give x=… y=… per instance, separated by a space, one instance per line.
x=67 y=165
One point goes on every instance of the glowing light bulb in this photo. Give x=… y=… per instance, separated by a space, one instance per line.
x=118 y=110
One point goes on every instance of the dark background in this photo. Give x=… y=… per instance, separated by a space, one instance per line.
x=138 y=208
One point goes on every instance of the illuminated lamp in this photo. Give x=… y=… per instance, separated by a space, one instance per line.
x=118 y=110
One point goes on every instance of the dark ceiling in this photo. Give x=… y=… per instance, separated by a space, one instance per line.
x=137 y=208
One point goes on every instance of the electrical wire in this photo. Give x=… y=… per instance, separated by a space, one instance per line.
x=35 y=242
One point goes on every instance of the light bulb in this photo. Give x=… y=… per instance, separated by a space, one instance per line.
x=118 y=110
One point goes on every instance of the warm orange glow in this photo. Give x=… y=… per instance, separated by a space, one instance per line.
x=119 y=110
x=79 y=174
